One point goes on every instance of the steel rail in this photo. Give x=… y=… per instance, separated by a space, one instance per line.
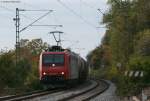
x=29 y=95
x=84 y=96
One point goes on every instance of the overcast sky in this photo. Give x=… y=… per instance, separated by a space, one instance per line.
x=80 y=19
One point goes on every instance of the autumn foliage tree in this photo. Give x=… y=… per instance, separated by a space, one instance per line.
x=127 y=42
x=23 y=75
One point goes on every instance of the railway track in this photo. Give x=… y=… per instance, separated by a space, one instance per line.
x=83 y=92
x=88 y=94
x=29 y=95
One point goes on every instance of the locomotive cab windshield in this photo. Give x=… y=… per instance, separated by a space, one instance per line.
x=53 y=60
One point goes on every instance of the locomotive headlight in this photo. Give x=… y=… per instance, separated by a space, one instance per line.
x=62 y=73
x=44 y=73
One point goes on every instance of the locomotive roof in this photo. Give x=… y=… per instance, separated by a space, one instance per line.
x=59 y=49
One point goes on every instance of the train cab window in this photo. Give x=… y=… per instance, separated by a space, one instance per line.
x=49 y=59
x=59 y=58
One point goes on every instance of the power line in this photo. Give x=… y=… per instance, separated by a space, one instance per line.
x=48 y=25
x=87 y=4
x=32 y=6
x=38 y=10
x=8 y=16
x=36 y=20
x=35 y=7
x=12 y=11
x=17 y=20
x=79 y=16
x=41 y=10
x=100 y=11
x=93 y=7
x=56 y=19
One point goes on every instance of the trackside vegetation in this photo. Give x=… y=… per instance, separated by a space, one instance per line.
x=23 y=76
x=125 y=46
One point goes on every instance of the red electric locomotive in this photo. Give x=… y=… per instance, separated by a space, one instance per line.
x=62 y=66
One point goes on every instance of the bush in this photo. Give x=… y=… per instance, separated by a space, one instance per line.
x=141 y=63
x=133 y=85
x=7 y=73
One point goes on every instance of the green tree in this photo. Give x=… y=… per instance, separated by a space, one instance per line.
x=126 y=41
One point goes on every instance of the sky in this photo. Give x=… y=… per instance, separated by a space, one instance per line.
x=80 y=19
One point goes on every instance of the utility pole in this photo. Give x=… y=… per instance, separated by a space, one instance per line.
x=17 y=24
x=18 y=31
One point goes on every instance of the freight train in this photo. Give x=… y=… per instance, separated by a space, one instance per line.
x=59 y=66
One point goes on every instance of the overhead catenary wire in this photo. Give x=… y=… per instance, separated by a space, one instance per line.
x=93 y=7
x=48 y=25
x=36 y=10
x=29 y=18
x=86 y=4
x=56 y=19
x=41 y=9
x=12 y=11
x=31 y=5
x=35 y=7
x=35 y=21
x=8 y=16
x=76 y=14
x=7 y=8
x=100 y=11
